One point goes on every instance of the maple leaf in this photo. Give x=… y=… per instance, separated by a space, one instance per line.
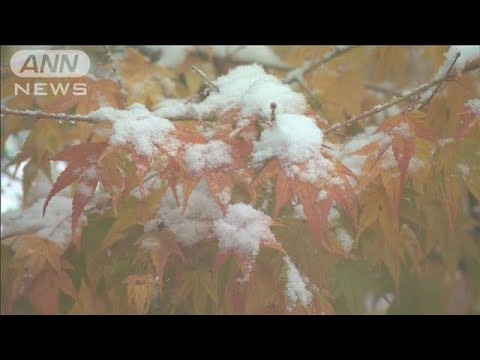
x=214 y=161
x=36 y=252
x=162 y=246
x=199 y=285
x=46 y=288
x=82 y=165
x=139 y=292
x=316 y=199
x=471 y=117
x=86 y=303
x=134 y=211
x=403 y=129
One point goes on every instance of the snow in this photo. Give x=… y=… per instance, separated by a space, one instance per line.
x=204 y=157
x=262 y=93
x=468 y=53
x=247 y=88
x=175 y=108
x=170 y=55
x=139 y=127
x=474 y=106
x=296 y=286
x=333 y=215
x=344 y=238
x=252 y=90
x=402 y=130
x=445 y=141
x=294 y=138
x=344 y=152
x=322 y=195
x=54 y=226
x=380 y=306
x=252 y=53
x=242 y=229
x=194 y=225
x=90 y=173
x=298 y=212
x=85 y=190
x=464 y=170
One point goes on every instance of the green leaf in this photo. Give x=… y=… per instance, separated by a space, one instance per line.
x=351 y=280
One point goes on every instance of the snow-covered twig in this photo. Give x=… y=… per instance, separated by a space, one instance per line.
x=297 y=74
x=38 y=114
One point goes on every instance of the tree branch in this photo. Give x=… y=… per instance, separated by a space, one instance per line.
x=395 y=100
x=38 y=114
x=116 y=73
x=297 y=74
x=205 y=78
x=437 y=88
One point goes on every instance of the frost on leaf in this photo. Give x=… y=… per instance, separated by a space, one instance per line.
x=302 y=168
x=191 y=227
x=138 y=127
x=243 y=231
x=471 y=117
x=55 y=226
x=296 y=286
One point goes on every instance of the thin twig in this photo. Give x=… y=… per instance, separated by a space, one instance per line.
x=297 y=74
x=378 y=108
x=315 y=102
x=201 y=53
x=116 y=73
x=395 y=100
x=205 y=78
x=382 y=89
x=437 y=88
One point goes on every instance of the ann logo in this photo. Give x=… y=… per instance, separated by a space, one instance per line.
x=50 y=63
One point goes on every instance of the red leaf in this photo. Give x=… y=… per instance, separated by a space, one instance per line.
x=283 y=192
x=81 y=197
x=220 y=186
x=470 y=119
x=82 y=164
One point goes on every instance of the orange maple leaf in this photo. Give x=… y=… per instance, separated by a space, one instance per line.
x=82 y=165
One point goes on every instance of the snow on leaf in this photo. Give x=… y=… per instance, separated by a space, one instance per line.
x=296 y=286
x=471 y=117
x=242 y=231
x=55 y=226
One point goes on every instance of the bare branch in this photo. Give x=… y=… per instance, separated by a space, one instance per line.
x=205 y=78
x=379 y=88
x=437 y=88
x=201 y=53
x=297 y=74
x=395 y=100
x=116 y=73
